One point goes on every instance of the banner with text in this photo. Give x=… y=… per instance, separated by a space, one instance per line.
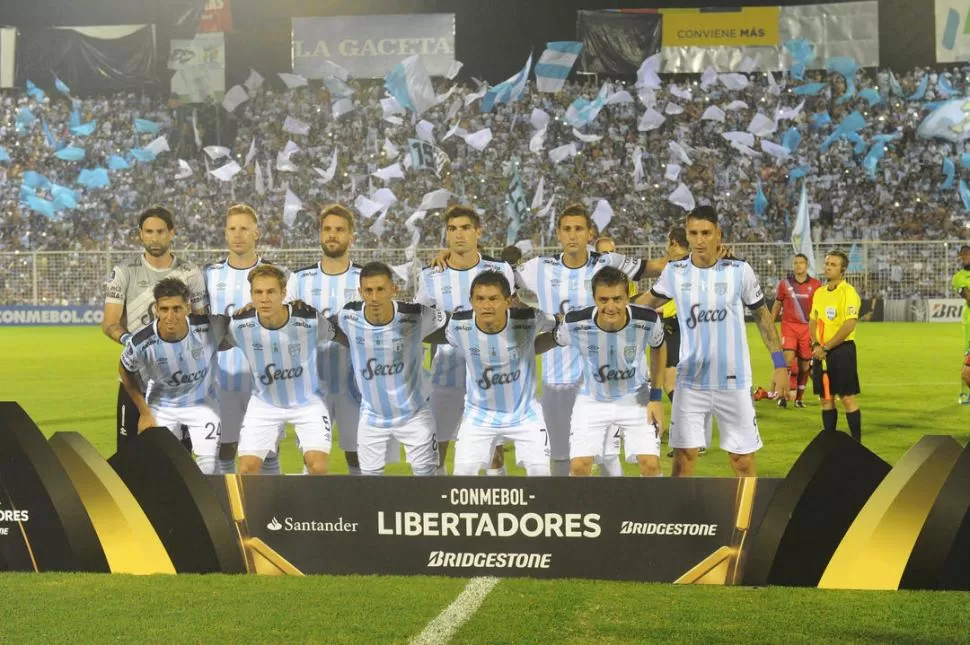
x=738 y=27
x=216 y=17
x=952 y=31
x=950 y=311
x=23 y=315
x=626 y=529
x=371 y=46
x=199 y=67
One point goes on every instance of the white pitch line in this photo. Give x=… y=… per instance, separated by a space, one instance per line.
x=443 y=628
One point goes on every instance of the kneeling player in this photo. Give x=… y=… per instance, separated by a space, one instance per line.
x=499 y=346
x=174 y=355
x=611 y=338
x=386 y=340
x=280 y=343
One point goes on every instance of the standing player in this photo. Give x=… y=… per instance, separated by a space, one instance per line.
x=280 y=343
x=228 y=291
x=835 y=313
x=327 y=286
x=714 y=372
x=386 y=340
x=449 y=290
x=128 y=297
x=499 y=346
x=611 y=338
x=175 y=355
x=961 y=283
x=794 y=300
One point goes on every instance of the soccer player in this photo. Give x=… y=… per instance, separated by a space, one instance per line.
x=386 y=340
x=175 y=355
x=794 y=300
x=835 y=313
x=449 y=290
x=961 y=283
x=280 y=342
x=228 y=290
x=128 y=298
x=714 y=372
x=677 y=248
x=611 y=338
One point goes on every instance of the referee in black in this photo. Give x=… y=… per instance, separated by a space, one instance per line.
x=128 y=298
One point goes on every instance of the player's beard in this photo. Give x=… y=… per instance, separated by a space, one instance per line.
x=157 y=250
x=337 y=251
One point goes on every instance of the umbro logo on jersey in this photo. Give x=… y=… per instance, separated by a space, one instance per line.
x=445 y=289
x=360 y=340
x=686 y=286
x=555 y=283
x=593 y=349
x=257 y=347
x=221 y=286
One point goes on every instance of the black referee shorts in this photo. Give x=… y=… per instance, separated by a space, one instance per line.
x=127 y=419
x=843 y=371
x=672 y=338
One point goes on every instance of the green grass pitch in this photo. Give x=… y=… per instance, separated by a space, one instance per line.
x=65 y=379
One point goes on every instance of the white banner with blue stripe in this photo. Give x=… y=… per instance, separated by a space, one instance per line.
x=555 y=64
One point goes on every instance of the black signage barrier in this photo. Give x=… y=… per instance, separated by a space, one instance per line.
x=812 y=510
x=43 y=523
x=182 y=506
x=662 y=530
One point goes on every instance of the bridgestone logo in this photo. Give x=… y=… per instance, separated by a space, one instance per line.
x=653 y=528
x=449 y=560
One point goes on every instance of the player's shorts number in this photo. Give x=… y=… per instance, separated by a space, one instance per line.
x=545 y=436
x=214 y=430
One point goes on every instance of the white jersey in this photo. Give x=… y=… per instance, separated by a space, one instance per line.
x=561 y=289
x=131 y=283
x=450 y=291
x=328 y=293
x=612 y=361
x=179 y=373
x=228 y=290
x=388 y=360
x=500 y=368
x=710 y=312
x=283 y=361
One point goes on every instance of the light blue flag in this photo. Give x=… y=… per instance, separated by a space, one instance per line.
x=555 y=64
x=34 y=179
x=965 y=194
x=25 y=119
x=144 y=126
x=950 y=122
x=847 y=67
x=860 y=143
x=820 y=119
x=516 y=207
x=84 y=129
x=508 y=91
x=855 y=259
x=810 y=89
x=25 y=192
x=583 y=111
x=921 y=90
x=873 y=157
x=943 y=86
x=94 y=178
x=871 y=96
x=791 y=139
x=337 y=88
x=410 y=84
x=4 y=155
x=849 y=126
x=117 y=162
x=886 y=138
x=797 y=173
x=760 y=203
x=70 y=153
x=35 y=92
x=801 y=235
x=949 y=171
x=931 y=105
x=64 y=197
x=51 y=142
x=802 y=53
x=894 y=86
x=965 y=160
x=42 y=206
x=143 y=156
x=61 y=87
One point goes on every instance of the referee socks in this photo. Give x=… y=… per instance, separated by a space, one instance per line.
x=830 y=419
x=855 y=424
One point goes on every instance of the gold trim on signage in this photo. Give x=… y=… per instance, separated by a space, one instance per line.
x=723 y=566
x=128 y=539
x=874 y=552
x=23 y=532
x=260 y=558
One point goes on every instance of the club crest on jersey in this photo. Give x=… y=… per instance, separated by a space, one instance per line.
x=513 y=354
x=350 y=294
x=398 y=347
x=295 y=349
x=197 y=352
x=630 y=353
x=720 y=288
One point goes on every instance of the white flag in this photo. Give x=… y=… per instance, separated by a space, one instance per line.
x=682 y=197
x=295 y=126
x=681 y=93
x=709 y=77
x=394 y=171
x=385 y=197
x=602 y=215
x=185 y=170
x=734 y=81
x=331 y=69
x=327 y=175
x=773 y=86
x=390 y=106
x=195 y=130
x=647 y=74
x=538 y=141
x=252 y=152
x=453 y=69
x=254 y=82
x=744 y=138
x=425 y=131
x=292 y=81
x=748 y=64
x=390 y=150
x=673 y=109
x=479 y=140
x=678 y=152
x=713 y=113
x=637 y=166
x=673 y=172
x=540 y=194
x=283 y=157
x=158 y=146
x=762 y=126
x=367 y=207
x=734 y=106
x=291 y=207
x=789 y=113
x=435 y=199
x=453 y=130
x=651 y=120
x=778 y=152
x=539 y=118
x=258 y=176
x=341 y=107
x=216 y=152
x=227 y=172
x=235 y=97
x=562 y=152
x=471 y=98
x=586 y=138
x=801 y=235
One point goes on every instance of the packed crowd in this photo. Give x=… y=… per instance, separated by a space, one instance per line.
x=904 y=200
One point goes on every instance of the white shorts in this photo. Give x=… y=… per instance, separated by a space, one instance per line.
x=557 y=401
x=264 y=422
x=737 y=423
x=203 y=423
x=597 y=424
x=447 y=408
x=475 y=445
x=416 y=434
x=345 y=414
x=232 y=408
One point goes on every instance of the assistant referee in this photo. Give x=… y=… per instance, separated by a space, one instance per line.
x=835 y=312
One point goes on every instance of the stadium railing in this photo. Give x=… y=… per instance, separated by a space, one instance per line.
x=890 y=270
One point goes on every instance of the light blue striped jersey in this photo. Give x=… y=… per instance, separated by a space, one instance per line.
x=561 y=289
x=500 y=368
x=283 y=361
x=228 y=290
x=179 y=373
x=710 y=312
x=450 y=291
x=612 y=361
x=328 y=293
x=388 y=360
